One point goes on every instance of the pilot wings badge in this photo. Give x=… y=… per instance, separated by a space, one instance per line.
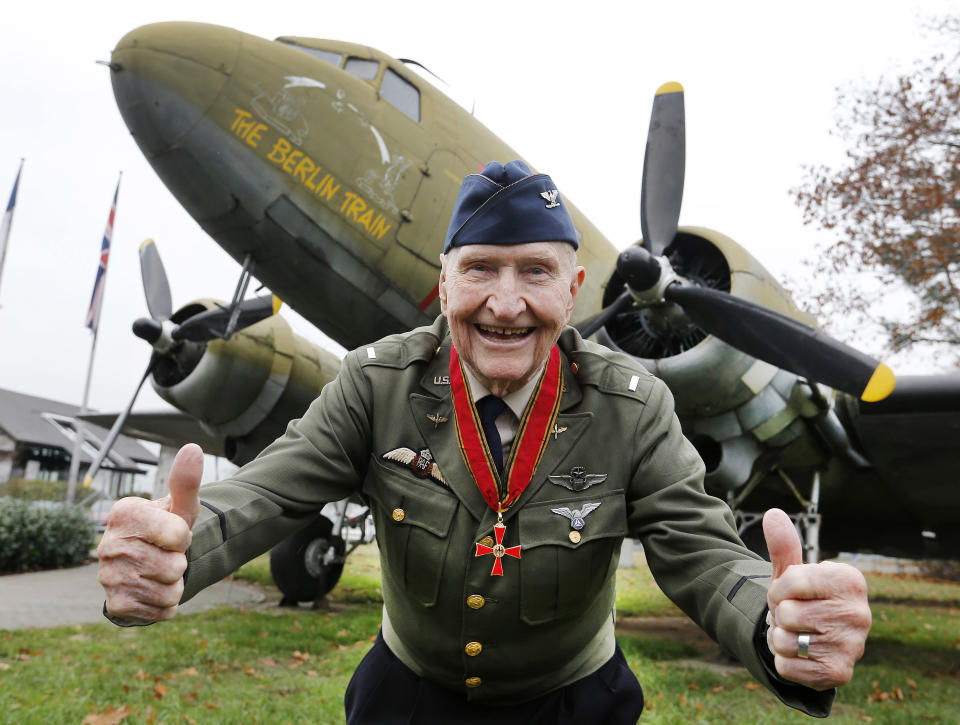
x=422 y=463
x=577 y=516
x=579 y=479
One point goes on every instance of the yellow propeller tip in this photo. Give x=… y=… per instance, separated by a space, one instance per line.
x=880 y=385
x=671 y=87
x=277 y=304
x=87 y=481
x=145 y=243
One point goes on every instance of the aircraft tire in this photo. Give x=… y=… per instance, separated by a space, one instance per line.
x=289 y=568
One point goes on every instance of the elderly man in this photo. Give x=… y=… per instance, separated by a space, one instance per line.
x=505 y=459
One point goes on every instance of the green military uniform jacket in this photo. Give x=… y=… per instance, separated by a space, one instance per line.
x=549 y=619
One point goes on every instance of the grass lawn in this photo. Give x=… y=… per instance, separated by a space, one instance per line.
x=269 y=665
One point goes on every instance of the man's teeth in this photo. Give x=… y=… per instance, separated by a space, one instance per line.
x=505 y=330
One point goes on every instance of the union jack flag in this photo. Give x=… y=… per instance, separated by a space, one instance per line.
x=96 y=299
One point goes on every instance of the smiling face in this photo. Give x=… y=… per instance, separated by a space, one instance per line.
x=506 y=306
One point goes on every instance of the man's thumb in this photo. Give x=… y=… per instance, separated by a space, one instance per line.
x=783 y=542
x=184 y=480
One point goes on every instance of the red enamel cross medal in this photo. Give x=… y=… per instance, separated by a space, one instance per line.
x=498 y=550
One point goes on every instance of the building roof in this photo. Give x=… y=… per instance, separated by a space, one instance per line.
x=30 y=419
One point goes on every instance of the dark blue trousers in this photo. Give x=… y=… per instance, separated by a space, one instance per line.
x=384 y=691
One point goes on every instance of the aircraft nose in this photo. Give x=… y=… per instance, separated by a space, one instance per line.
x=167 y=75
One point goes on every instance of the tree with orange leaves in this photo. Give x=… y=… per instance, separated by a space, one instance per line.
x=895 y=204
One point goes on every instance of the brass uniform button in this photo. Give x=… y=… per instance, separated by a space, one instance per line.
x=575 y=537
x=475 y=601
x=575 y=368
x=473 y=648
x=398 y=514
x=488 y=541
x=473 y=682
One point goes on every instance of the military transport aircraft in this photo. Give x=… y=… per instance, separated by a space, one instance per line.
x=331 y=169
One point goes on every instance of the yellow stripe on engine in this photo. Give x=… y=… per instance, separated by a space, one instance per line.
x=880 y=385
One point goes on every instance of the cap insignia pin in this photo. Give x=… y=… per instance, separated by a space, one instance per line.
x=551 y=197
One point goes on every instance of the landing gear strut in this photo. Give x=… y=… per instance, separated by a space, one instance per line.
x=807 y=522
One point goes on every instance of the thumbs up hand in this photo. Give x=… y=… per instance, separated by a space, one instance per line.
x=142 y=553
x=819 y=617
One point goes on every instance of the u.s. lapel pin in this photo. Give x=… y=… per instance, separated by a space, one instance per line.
x=557 y=430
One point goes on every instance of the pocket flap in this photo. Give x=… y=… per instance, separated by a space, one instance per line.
x=551 y=522
x=411 y=502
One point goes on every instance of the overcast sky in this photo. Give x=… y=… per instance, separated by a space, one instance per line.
x=568 y=84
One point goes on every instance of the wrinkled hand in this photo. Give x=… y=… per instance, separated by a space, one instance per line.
x=142 y=553
x=828 y=601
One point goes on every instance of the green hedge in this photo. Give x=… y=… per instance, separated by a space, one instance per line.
x=36 y=536
x=30 y=490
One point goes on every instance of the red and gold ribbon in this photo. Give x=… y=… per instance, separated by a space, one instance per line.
x=528 y=447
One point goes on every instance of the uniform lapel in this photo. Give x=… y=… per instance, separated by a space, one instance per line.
x=429 y=411
x=561 y=441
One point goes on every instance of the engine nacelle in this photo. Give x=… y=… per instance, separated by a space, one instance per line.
x=246 y=389
x=744 y=415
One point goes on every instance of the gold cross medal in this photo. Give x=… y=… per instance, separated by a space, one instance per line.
x=498 y=550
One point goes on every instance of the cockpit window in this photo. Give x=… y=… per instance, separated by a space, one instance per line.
x=362 y=68
x=401 y=93
x=327 y=55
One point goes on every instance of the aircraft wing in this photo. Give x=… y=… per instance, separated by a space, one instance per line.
x=167 y=427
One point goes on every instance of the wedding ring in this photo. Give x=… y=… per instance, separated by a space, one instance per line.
x=803 y=646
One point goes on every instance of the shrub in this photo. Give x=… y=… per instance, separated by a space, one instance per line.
x=41 y=535
x=28 y=490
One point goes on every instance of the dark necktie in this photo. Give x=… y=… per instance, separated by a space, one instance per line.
x=489 y=409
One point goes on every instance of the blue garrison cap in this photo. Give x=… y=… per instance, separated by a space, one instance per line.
x=507 y=204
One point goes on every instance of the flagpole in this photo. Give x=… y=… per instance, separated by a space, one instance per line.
x=8 y=220
x=93 y=321
x=77 y=426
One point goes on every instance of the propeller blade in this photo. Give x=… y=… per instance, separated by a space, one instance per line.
x=117 y=426
x=212 y=324
x=663 y=169
x=155 y=284
x=147 y=328
x=591 y=325
x=783 y=342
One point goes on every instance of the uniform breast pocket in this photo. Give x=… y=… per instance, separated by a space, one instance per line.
x=569 y=547
x=413 y=521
